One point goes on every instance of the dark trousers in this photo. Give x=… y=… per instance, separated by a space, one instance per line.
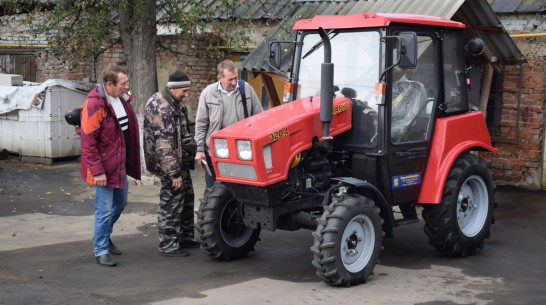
x=175 y=213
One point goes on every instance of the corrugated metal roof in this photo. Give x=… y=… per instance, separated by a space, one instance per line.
x=480 y=17
x=489 y=28
x=515 y=6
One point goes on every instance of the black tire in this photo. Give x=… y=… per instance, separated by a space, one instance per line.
x=348 y=240
x=220 y=227
x=459 y=225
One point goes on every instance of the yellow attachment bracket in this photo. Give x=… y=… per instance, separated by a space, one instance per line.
x=295 y=161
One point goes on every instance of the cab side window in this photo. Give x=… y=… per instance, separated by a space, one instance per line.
x=454 y=75
x=413 y=92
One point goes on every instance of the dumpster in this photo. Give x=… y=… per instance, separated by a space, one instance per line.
x=32 y=120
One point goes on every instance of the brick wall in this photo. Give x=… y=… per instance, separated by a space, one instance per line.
x=15 y=31
x=193 y=59
x=520 y=161
x=48 y=67
x=533 y=47
x=520 y=143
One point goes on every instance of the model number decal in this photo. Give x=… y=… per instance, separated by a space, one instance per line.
x=341 y=107
x=406 y=180
x=274 y=136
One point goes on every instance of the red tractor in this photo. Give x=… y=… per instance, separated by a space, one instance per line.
x=376 y=122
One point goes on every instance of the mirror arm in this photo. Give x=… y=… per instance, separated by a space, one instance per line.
x=399 y=57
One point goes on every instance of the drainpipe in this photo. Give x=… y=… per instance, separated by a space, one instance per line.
x=527 y=35
x=30 y=46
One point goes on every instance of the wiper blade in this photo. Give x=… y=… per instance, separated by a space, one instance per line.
x=318 y=45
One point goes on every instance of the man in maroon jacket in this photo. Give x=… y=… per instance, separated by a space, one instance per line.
x=110 y=152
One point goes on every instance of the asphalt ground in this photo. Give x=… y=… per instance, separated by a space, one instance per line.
x=46 y=223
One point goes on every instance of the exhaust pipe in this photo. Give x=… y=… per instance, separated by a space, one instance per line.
x=326 y=86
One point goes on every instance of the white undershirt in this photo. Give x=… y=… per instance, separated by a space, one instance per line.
x=120 y=112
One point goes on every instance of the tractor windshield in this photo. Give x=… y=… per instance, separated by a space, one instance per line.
x=356 y=64
x=356 y=58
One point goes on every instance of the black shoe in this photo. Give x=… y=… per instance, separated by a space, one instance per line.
x=175 y=253
x=189 y=244
x=112 y=248
x=105 y=260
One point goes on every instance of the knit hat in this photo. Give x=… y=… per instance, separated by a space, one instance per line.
x=178 y=79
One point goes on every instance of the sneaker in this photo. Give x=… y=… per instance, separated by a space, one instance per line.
x=175 y=253
x=189 y=243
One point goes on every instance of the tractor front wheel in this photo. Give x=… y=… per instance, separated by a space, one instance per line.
x=459 y=225
x=347 y=241
x=220 y=225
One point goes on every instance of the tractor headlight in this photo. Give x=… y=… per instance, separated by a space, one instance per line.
x=221 y=148
x=267 y=156
x=244 y=150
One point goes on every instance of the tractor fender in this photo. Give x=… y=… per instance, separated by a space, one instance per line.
x=452 y=136
x=364 y=188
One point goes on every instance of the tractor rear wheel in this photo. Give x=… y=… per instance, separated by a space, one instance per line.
x=459 y=225
x=220 y=226
x=347 y=241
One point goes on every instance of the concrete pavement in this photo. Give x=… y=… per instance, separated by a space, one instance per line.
x=46 y=220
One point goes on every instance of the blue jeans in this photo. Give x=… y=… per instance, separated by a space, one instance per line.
x=109 y=203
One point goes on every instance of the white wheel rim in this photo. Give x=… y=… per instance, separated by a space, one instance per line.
x=472 y=206
x=357 y=243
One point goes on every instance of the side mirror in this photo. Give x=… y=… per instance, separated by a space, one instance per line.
x=275 y=54
x=407 y=50
x=474 y=47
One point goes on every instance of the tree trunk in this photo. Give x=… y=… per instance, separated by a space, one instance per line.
x=138 y=34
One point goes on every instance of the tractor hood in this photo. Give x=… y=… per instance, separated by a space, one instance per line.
x=259 y=150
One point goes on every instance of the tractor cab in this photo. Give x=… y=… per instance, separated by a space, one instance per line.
x=420 y=61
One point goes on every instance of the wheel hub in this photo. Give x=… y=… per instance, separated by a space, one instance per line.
x=466 y=204
x=352 y=243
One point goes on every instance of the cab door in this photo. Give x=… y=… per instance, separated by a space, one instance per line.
x=410 y=117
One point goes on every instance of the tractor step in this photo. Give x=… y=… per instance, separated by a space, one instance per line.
x=405 y=221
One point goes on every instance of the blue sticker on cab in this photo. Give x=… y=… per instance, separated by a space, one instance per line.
x=406 y=180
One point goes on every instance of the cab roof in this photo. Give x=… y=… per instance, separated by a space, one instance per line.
x=363 y=20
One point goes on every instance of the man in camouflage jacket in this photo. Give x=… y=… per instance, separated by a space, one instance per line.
x=169 y=151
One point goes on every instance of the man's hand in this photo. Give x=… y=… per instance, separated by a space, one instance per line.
x=177 y=183
x=100 y=179
x=199 y=156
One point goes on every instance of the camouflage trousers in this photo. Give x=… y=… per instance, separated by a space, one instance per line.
x=175 y=213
